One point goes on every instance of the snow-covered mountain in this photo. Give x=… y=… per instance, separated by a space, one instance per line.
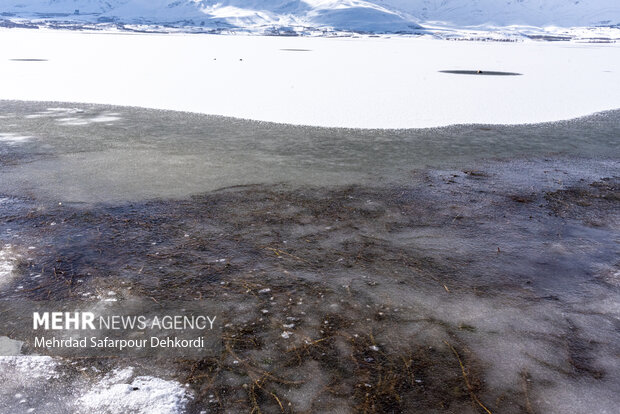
x=540 y=13
x=345 y=15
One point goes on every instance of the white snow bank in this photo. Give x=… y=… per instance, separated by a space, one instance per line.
x=118 y=393
x=365 y=82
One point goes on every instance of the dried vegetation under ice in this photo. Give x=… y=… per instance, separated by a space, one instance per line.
x=491 y=286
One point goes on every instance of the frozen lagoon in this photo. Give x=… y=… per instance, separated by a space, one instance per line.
x=343 y=82
x=361 y=268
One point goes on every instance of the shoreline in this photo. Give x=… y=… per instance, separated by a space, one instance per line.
x=258 y=122
x=63 y=151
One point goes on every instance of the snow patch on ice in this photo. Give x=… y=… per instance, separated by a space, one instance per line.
x=76 y=121
x=6 y=263
x=120 y=391
x=10 y=346
x=65 y=110
x=72 y=121
x=32 y=383
x=13 y=139
x=26 y=368
x=55 y=112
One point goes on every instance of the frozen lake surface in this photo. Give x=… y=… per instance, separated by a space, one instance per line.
x=456 y=270
x=343 y=82
x=87 y=154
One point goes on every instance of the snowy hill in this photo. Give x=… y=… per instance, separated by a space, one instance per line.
x=377 y=16
x=540 y=13
x=345 y=15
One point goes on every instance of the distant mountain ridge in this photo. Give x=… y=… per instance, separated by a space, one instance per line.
x=374 y=16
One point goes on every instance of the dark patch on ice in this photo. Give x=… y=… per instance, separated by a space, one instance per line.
x=595 y=204
x=296 y=50
x=28 y=60
x=480 y=72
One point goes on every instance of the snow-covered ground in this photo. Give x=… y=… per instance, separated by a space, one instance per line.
x=41 y=384
x=122 y=392
x=339 y=82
